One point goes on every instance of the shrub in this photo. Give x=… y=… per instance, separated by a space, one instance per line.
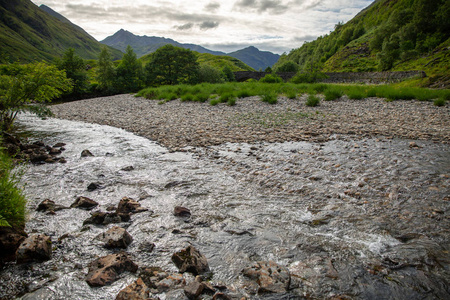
x=332 y=94
x=225 y=97
x=439 y=102
x=271 y=78
x=243 y=94
x=231 y=101
x=202 y=97
x=355 y=95
x=12 y=201
x=312 y=101
x=187 y=97
x=270 y=98
x=214 y=101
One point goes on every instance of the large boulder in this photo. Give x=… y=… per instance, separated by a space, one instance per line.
x=128 y=205
x=269 y=276
x=37 y=247
x=116 y=237
x=105 y=270
x=84 y=202
x=191 y=260
x=138 y=290
x=10 y=240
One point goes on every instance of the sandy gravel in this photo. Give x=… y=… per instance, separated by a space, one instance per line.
x=180 y=124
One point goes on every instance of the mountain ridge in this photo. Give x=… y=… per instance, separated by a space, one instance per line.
x=143 y=45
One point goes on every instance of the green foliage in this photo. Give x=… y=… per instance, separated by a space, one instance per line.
x=271 y=78
x=288 y=66
x=333 y=94
x=75 y=69
x=209 y=74
x=225 y=97
x=312 y=101
x=269 y=97
x=228 y=74
x=172 y=65
x=25 y=87
x=12 y=200
x=129 y=73
x=439 y=102
x=307 y=77
x=231 y=101
x=214 y=101
x=105 y=71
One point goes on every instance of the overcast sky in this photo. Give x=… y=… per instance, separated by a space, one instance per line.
x=270 y=25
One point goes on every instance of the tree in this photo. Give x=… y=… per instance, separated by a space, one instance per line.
x=23 y=85
x=75 y=68
x=105 y=71
x=172 y=65
x=288 y=66
x=129 y=72
x=209 y=74
x=228 y=74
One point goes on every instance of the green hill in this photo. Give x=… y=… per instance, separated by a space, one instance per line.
x=389 y=35
x=28 y=33
x=215 y=61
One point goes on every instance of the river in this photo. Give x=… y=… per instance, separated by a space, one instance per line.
x=362 y=219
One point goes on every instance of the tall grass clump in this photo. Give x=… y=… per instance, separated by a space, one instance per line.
x=439 y=102
x=187 y=97
x=201 y=97
x=332 y=94
x=214 y=101
x=269 y=97
x=244 y=93
x=12 y=200
x=231 y=101
x=225 y=97
x=312 y=101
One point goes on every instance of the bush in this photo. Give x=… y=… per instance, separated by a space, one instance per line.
x=312 y=101
x=270 y=98
x=355 y=95
x=332 y=94
x=243 y=94
x=12 y=201
x=225 y=97
x=231 y=101
x=439 y=102
x=214 y=101
x=271 y=78
x=187 y=97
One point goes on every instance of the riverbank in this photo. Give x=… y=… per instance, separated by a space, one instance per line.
x=176 y=124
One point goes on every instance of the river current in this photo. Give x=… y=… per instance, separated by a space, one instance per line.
x=364 y=219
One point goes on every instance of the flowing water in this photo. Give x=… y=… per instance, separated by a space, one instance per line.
x=361 y=219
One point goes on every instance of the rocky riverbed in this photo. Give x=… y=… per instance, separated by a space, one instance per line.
x=348 y=200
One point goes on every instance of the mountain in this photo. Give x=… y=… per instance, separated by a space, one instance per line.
x=258 y=60
x=147 y=44
x=60 y=17
x=143 y=45
x=28 y=33
x=388 y=35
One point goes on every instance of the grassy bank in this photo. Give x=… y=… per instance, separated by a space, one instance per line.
x=12 y=200
x=222 y=93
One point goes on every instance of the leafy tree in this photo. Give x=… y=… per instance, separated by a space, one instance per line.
x=209 y=74
x=288 y=66
x=268 y=70
x=129 y=72
x=228 y=74
x=22 y=85
x=172 y=65
x=75 y=68
x=105 y=70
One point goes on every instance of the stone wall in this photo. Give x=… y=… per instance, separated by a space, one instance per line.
x=343 y=77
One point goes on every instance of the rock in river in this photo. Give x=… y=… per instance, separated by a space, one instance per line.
x=190 y=260
x=37 y=247
x=269 y=276
x=128 y=205
x=84 y=202
x=115 y=237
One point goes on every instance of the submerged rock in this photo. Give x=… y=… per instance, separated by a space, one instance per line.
x=104 y=218
x=93 y=186
x=138 y=290
x=269 y=276
x=116 y=237
x=190 y=260
x=105 y=270
x=10 y=240
x=180 y=211
x=37 y=247
x=86 y=153
x=50 y=205
x=84 y=202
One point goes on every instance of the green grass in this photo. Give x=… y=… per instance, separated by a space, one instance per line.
x=270 y=91
x=439 y=102
x=12 y=200
x=312 y=101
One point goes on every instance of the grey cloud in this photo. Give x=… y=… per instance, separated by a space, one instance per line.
x=260 y=6
x=208 y=25
x=186 y=26
x=212 y=7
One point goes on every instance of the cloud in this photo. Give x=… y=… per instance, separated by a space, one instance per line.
x=212 y=7
x=186 y=26
x=260 y=6
x=206 y=25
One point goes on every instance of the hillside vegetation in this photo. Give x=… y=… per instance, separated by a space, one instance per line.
x=29 y=34
x=389 y=35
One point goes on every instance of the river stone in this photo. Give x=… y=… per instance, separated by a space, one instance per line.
x=190 y=260
x=116 y=237
x=93 y=186
x=37 y=247
x=193 y=290
x=84 y=202
x=180 y=211
x=270 y=277
x=105 y=270
x=104 y=218
x=10 y=240
x=86 y=153
x=49 y=205
x=135 y=291
x=128 y=205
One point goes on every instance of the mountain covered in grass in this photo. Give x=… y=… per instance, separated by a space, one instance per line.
x=389 y=35
x=143 y=45
x=28 y=33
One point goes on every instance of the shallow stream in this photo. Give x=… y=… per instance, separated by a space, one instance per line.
x=363 y=219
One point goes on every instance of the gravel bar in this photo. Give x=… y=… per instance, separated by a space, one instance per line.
x=177 y=124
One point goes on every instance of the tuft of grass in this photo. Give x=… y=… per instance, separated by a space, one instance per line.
x=312 y=101
x=332 y=94
x=269 y=97
x=355 y=95
x=243 y=93
x=201 y=97
x=12 y=200
x=225 y=97
x=439 y=102
x=187 y=97
x=214 y=101
x=231 y=101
